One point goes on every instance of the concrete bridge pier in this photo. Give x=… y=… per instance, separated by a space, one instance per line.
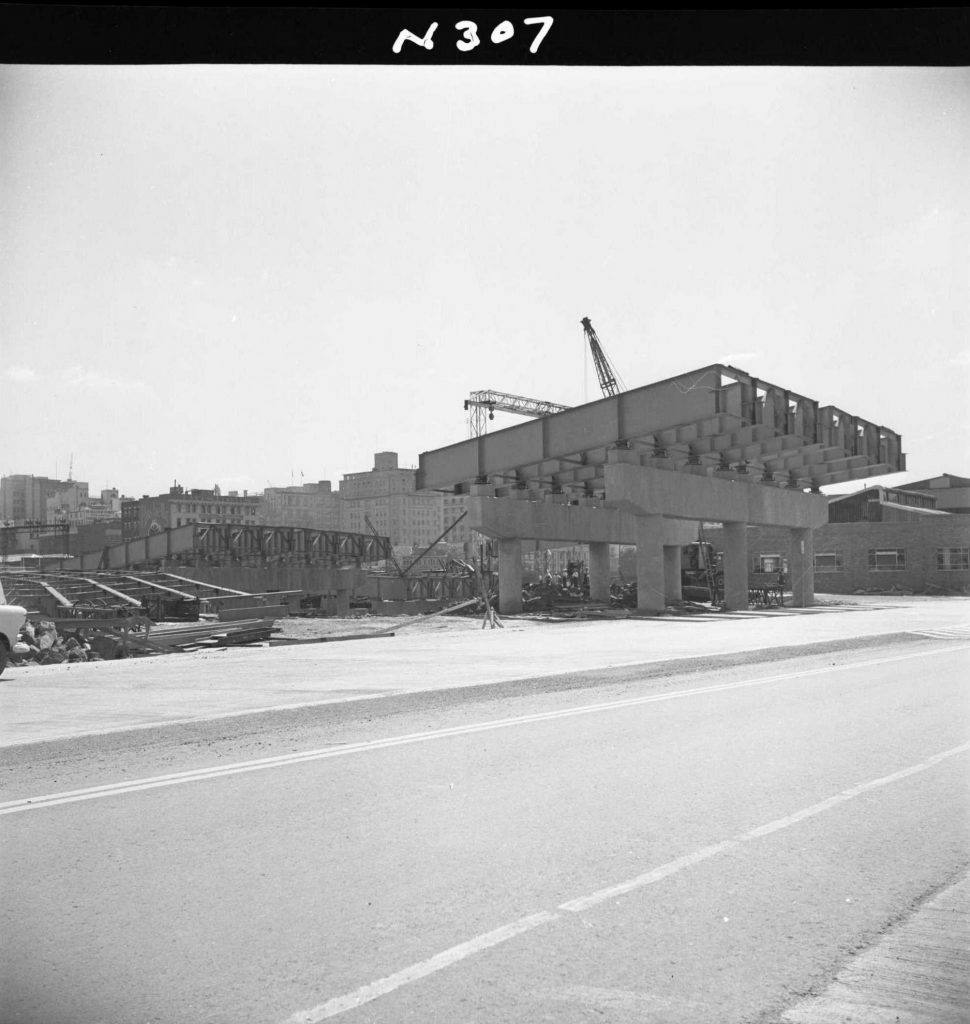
x=736 y=567
x=651 y=590
x=599 y=571
x=510 y=576
x=672 y=579
x=801 y=567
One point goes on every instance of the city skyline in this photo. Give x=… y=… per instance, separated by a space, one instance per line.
x=254 y=276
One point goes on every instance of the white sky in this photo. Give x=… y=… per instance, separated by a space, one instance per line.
x=238 y=275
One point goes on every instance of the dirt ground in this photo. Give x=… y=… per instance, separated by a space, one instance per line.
x=312 y=628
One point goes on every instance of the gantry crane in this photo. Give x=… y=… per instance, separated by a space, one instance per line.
x=610 y=384
x=482 y=406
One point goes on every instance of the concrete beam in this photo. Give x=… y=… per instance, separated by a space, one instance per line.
x=630 y=414
x=646 y=491
x=565 y=524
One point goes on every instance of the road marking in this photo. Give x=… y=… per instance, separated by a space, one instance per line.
x=757 y=833
x=367 y=993
x=945 y=632
x=648 y=878
x=285 y=760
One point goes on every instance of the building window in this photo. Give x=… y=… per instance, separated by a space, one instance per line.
x=828 y=561
x=886 y=560
x=769 y=563
x=953 y=558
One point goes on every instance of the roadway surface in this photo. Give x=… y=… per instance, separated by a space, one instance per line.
x=651 y=844
x=43 y=703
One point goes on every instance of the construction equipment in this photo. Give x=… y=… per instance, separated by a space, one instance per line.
x=701 y=574
x=481 y=405
x=484 y=403
x=610 y=384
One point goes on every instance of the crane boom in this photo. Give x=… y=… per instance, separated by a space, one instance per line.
x=488 y=400
x=609 y=384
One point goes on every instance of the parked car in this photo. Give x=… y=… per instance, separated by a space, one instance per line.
x=12 y=617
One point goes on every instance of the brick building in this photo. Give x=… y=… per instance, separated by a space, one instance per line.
x=876 y=539
x=180 y=506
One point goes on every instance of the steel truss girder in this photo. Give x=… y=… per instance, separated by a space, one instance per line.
x=288 y=542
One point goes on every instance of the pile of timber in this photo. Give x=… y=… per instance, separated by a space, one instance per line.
x=206 y=634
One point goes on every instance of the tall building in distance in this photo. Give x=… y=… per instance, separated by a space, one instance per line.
x=24 y=498
x=310 y=506
x=454 y=506
x=387 y=495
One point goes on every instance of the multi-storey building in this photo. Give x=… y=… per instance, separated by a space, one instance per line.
x=312 y=506
x=23 y=498
x=68 y=504
x=180 y=507
x=387 y=495
x=454 y=506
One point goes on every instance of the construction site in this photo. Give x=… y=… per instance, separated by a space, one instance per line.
x=641 y=470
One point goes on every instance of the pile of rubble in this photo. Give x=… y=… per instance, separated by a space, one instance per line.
x=41 y=644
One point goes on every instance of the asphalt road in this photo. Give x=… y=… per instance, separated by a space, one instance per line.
x=705 y=847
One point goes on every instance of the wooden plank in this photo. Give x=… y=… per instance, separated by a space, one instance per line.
x=269 y=611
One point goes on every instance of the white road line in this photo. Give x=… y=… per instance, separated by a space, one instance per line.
x=945 y=632
x=285 y=760
x=367 y=993
x=648 y=878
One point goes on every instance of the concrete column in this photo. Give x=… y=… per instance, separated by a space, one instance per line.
x=345 y=583
x=735 y=567
x=510 y=576
x=672 y=578
x=650 y=564
x=801 y=567
x=599 y=571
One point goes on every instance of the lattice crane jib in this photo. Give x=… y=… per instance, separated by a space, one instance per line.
x=609 y=382
x=481 y=406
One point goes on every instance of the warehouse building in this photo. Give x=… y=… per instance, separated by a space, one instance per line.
x=878 y=539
